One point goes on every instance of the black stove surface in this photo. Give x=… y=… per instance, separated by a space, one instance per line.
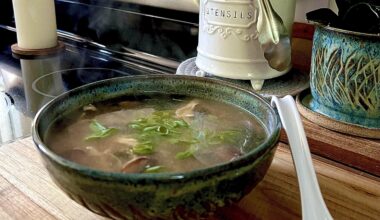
x=26 y=85
x=104 y=39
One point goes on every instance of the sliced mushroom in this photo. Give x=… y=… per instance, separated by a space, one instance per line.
x=127 y=141
x=89 y=107
x=92 y=151
x=187 y=110
x=136 y=165
x=87 y=156
x=119 y=119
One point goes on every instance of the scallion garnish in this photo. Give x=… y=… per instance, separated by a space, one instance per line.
x=99 y=131
x=163 y=126
x=154 y=169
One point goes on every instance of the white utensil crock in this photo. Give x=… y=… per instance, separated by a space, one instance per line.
x=228 y=38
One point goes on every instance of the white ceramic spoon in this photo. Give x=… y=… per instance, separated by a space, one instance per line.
x=313 y=205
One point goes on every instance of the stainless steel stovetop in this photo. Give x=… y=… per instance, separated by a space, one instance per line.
x=143 y=43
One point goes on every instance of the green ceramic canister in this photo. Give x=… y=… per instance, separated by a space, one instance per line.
x=345 y=76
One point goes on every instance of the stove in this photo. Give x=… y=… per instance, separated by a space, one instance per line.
x=132 y=40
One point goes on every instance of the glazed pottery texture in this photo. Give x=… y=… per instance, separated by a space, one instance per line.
x=345 y=76
x=189 y=195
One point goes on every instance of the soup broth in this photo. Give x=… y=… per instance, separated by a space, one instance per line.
x=155 y=134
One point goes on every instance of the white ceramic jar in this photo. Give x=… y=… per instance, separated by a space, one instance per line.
x=228 y=38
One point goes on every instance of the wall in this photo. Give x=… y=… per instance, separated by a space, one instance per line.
x=304 y=6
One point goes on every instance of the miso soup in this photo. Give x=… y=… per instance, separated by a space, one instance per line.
x=155 y=134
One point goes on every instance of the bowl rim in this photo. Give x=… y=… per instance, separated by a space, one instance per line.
x=344 y=31
x=258 y=153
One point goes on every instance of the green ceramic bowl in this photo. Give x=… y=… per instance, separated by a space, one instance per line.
x=186 y=195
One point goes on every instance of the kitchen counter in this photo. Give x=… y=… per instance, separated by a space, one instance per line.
x=348 y=168
x=27 y=191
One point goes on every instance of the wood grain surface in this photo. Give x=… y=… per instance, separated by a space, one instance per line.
x=360 y=153
x=303 y=30
x=27 y=192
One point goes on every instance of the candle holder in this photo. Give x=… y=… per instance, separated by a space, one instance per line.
x=22 y=53
x=36 y=29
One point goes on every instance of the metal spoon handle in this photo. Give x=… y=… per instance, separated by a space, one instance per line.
x=313 y=205
x=273 y=37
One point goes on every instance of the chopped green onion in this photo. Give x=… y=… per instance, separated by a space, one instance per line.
x=151 y=128
x=143 y=149
x=164 y=124
x=135 y=126
x=214 y=140
x=230 y=136
x=163 y=130
x=170 y=124
x=183 y=141
x=154 y=169
x=141 y=120
x=181 y=123
x=99 y=131
x=173 y=131
x=96 y=126
x=185 y=154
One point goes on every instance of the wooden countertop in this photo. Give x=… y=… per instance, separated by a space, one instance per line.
x=348 y=170
x=27 y=192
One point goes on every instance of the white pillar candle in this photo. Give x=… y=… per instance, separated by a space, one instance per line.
x=35 y=23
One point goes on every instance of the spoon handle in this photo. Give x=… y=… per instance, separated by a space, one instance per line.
x=313 y=205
